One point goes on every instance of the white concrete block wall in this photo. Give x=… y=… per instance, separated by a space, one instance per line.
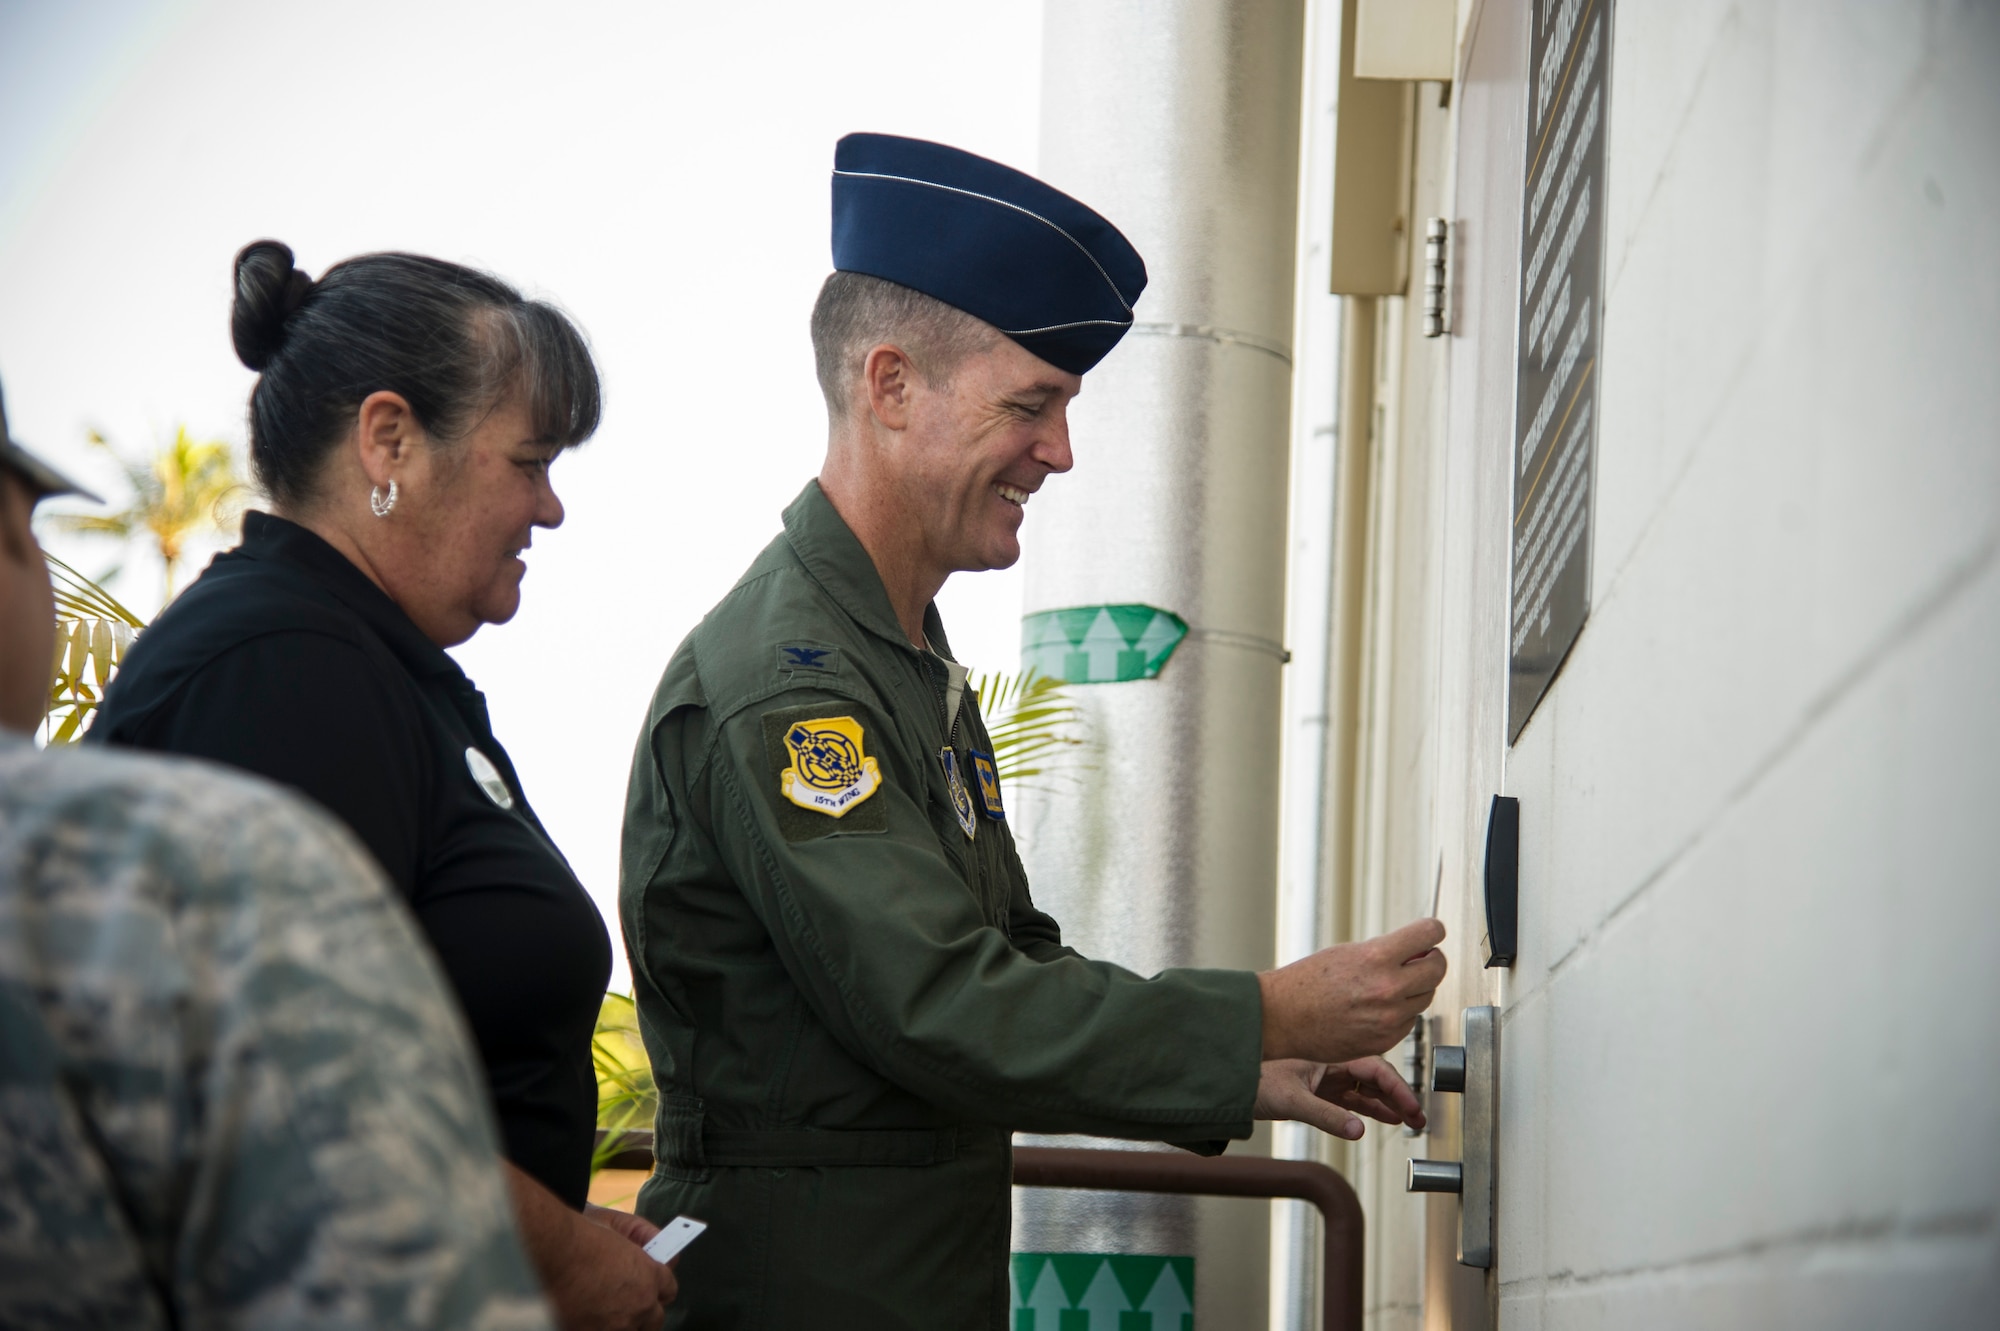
x=1752 y=1047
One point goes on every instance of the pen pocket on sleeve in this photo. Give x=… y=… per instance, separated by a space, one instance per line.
x=677 y=1150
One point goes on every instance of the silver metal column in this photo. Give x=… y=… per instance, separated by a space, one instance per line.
x=1179 y=120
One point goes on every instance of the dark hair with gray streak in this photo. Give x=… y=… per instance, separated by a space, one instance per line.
x=452 y=341
x=856 y=312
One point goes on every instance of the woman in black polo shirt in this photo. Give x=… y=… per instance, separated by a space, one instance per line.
x=403 y=425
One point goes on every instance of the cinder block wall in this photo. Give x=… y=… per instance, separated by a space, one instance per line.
x=1753 y=1043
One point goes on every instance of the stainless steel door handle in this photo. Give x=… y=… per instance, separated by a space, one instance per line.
x=1448 y=1068
x=1473 y=1070
x=1436 y=1176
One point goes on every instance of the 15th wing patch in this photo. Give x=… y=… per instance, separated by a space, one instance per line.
x=829 y=772
x=823 y=779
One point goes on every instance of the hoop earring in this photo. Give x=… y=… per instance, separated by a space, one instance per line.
x=377 y=504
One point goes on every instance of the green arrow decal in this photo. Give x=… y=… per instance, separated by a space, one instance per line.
x=1094 y=1291
x=1100 y=644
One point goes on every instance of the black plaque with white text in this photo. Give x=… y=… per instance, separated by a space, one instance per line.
x=1555 y=384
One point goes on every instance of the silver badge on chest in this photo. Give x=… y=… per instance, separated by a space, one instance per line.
x=961 y=799
x=488 y=777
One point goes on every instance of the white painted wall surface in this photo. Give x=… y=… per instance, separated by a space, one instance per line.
x=1750 y=1073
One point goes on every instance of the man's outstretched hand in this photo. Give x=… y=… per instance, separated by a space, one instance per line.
x=1329 y=1096
x=1350 y=1001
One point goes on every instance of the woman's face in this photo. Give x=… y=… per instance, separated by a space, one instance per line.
x=464 y=516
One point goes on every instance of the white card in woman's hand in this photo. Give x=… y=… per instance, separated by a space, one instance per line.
x=679 y=1232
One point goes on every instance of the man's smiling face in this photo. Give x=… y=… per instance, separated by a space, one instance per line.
x=980 y=446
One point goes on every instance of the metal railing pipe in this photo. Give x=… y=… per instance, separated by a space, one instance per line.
x=1222 y=1176
x=1176 y=1172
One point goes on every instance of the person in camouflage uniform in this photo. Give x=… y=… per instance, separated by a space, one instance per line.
x=234 y=1091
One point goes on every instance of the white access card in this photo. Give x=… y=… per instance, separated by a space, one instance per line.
x=678 y=1233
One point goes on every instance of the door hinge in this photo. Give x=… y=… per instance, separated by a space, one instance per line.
x=1437 y=249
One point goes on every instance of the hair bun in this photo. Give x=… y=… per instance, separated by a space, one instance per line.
x=268 y=289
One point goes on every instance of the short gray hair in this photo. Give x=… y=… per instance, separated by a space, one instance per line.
x=856 y=312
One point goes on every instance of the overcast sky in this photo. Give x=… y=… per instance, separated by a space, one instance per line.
x=658 y=169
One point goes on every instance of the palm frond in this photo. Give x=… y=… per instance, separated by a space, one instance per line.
x=190 y=487
x=77 y=597
x=117 y=525
x=626 y=1095
x=1032 y=722
x=94 y=630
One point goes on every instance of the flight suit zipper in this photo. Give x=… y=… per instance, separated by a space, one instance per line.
x=925 y=661
x=956 y=792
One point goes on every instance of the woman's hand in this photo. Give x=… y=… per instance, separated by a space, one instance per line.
x=1330 y=1095
x=608 y=1283
x=591 y=1265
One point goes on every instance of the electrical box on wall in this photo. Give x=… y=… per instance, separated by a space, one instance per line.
x=1503 y=881
x=1405 y=39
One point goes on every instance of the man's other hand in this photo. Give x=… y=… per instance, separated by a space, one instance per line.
x=1350 y=1001
x=1329 y=1096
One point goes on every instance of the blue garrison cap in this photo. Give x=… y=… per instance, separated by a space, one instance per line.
x=987 y=239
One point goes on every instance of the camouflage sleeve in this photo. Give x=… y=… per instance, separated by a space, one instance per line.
x=265 y=1064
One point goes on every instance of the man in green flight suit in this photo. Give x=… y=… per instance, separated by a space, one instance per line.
x=848 y=996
